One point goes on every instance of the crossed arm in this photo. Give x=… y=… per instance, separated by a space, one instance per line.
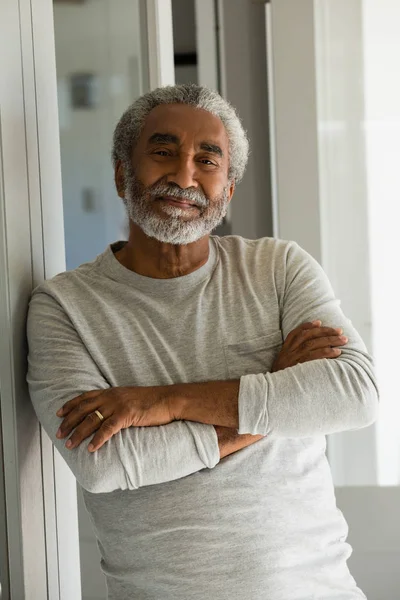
x=318 y=397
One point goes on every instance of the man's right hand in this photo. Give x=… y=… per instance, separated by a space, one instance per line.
x=307 y=342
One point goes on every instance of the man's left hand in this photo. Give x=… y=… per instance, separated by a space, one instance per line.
x=121 y=407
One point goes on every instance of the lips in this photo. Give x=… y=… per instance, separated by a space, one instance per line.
x=183 y=203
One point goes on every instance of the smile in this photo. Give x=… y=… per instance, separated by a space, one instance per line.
x=177 y=202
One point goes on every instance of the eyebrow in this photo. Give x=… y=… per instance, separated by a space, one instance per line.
x=208 y=147
x=169 y=138
x=163 y=138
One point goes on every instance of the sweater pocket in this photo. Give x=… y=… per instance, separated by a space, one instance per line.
x=252 y=356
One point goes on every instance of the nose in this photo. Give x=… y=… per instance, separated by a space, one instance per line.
x=184 y=173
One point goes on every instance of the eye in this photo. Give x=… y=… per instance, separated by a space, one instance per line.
x=208 y=162
x=161 y=152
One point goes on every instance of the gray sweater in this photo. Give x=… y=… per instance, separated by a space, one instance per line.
x=174 y=522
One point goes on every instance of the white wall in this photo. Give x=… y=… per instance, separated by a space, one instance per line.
x=343 y=198
x=382 y=131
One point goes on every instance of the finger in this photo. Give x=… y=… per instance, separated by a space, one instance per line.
x=70 y=405
x=109 y=428
x=318 y=354
x=323 y=342
x=88 y=426
x=85 y=407
x=326 y=353
x=316 y=332
x=302 y=327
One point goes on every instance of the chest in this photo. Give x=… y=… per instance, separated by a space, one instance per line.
x=220 y=330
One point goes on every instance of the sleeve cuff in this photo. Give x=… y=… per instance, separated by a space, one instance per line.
x=252 y=404
x=206 y=440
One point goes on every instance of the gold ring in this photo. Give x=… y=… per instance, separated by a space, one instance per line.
x=98 y=413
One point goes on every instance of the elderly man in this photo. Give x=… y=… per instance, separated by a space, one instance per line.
x=205 y=373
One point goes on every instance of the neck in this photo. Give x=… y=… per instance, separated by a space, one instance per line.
x=151 y=258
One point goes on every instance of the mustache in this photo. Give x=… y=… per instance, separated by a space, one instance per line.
x=163 y=189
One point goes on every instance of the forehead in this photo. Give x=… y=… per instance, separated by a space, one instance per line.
x=186 y=122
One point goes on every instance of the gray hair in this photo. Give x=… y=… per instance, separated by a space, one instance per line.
x=131 y=124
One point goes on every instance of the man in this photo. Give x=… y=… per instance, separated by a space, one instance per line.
x=205 y=373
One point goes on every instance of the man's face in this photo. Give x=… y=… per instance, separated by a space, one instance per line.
x=177 y=189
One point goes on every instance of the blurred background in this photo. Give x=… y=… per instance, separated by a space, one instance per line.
x=316 y=83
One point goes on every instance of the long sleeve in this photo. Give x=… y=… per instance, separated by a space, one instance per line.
x=59 y=369
x=319 y=397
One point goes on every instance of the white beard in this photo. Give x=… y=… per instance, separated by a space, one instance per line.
x=179 y=227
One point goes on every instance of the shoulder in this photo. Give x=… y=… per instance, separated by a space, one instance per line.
x=68 y=284
x=284 y=264
x=265 y=252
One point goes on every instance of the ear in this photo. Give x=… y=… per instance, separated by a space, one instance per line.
x=119 y=178
x=231 y=189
